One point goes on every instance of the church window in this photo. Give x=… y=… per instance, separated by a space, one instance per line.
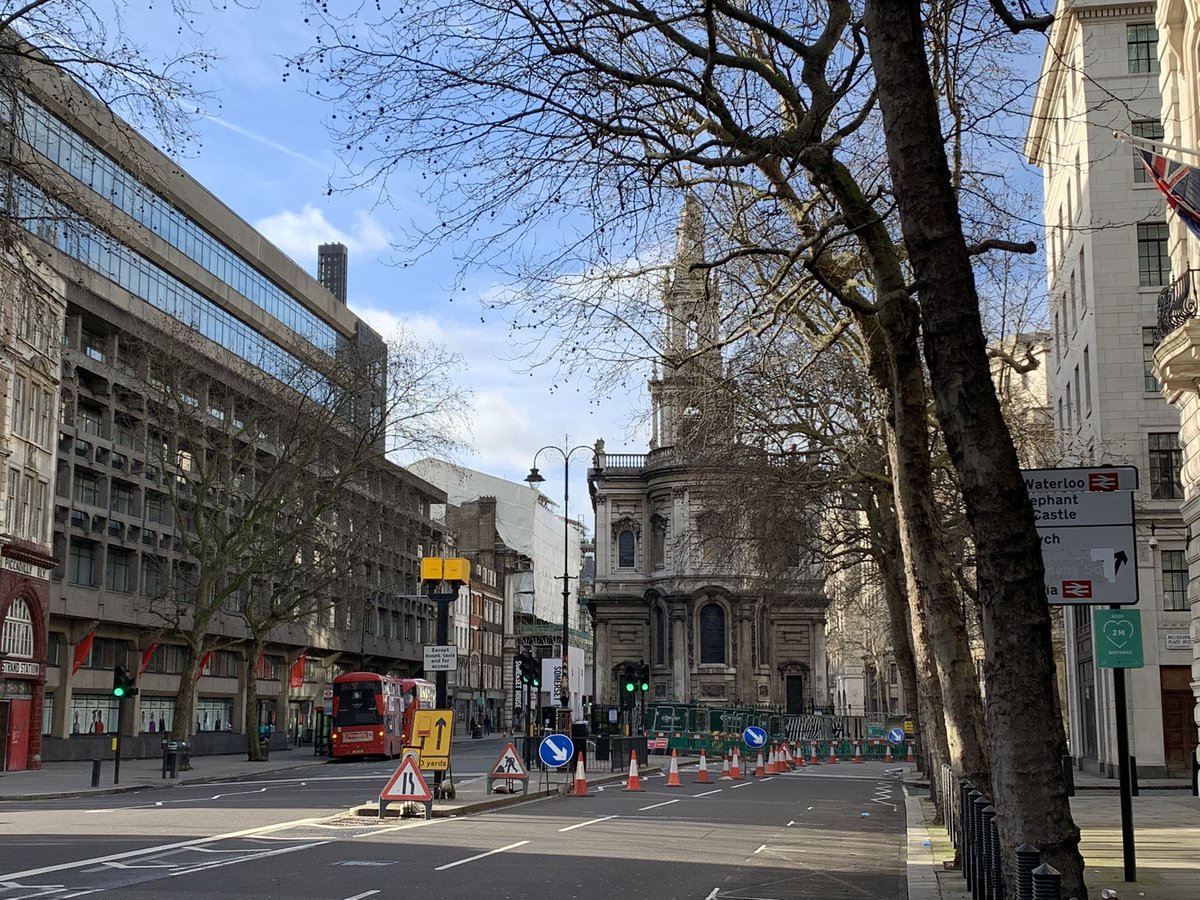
x=712 y=634
x=625 y=549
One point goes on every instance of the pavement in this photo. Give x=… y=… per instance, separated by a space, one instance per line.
x=1166 y=817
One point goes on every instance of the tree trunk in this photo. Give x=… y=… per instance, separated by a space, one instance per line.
x=1028 y=790
x=185 y=695
x=253 y=742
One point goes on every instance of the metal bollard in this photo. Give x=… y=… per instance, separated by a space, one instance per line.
x=979 y=888
x=987 y=817
x=1047 y=883
x=996 y=869
x=968 y=817
x=95 y=773
x=1029 y=858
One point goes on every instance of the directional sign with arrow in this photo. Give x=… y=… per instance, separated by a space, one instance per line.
x=556 y=750
x=754 y=737
x=433 y=730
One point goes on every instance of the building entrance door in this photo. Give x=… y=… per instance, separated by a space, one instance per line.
x=793 y=686
x=5 y=706
x=1178 y=710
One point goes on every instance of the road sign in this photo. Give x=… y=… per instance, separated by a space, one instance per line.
x=441 y=658
x=1118 y=638
x=433 y=731
x=896 y=736
x=754 y=737
x=407 y=784
x=509 y=765
x=556 y=750
x=1084 y=517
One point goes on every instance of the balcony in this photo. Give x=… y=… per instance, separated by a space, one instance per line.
x=1176 y=304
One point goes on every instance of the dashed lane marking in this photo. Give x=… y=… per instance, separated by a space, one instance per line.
x=479 y=856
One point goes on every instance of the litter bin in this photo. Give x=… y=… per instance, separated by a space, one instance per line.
x=602 y=748
x=170 y=761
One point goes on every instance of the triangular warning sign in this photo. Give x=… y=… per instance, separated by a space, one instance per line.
x=509 y=765
x=407 y=784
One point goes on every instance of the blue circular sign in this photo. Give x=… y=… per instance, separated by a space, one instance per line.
x=556 y=750
x=896 y=736
x=754 y=737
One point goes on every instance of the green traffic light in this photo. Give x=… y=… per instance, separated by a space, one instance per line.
x=118 y=692
x=629 y=686
x=645 y=685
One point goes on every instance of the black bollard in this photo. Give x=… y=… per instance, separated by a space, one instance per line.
x=979 y=887
x=987 y=817
x=997 y=867
x=1029 y=858
x=95 y=773
x=968 y=830
x=1047 y=883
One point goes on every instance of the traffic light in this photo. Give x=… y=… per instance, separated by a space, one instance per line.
x=529 y=670
x=644 y=678
x=630 y=678
x=124 y=682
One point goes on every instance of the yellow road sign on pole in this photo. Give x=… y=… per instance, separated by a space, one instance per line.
x=433 y=730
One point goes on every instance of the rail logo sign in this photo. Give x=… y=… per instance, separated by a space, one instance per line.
x=1084 y=517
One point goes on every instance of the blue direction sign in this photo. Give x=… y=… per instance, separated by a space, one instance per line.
x=754 y=737
x=556 y=750
x=896 y=736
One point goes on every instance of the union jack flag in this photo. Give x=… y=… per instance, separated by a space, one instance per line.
x=1180 y=184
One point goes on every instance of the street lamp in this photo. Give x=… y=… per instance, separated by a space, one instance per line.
x=535 y=478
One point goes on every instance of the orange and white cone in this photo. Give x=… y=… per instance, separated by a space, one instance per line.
x=789 y=756
x=673 y=772
x=725 y=766
x=635 y=781
x=702 y=769
x=735 y=767
x=815 y=760
x=832 y=752
x=887 y=756
x=773 y=761
x=759 y=770
x=580 y=778
x=858 y=751
x=908 y=757
x=799 y=763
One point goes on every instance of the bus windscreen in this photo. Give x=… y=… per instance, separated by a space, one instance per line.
x=356 y=704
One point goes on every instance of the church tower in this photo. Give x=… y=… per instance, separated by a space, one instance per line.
x=684 y=398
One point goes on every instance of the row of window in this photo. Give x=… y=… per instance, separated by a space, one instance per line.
x=86 y=163
x=1078 y=400
x=31 y=411
x=26 y=512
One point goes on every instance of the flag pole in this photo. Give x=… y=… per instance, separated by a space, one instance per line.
x=1152 y=144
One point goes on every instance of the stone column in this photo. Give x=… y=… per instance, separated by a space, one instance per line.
x=678 y=611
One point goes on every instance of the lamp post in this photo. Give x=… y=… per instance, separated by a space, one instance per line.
x=535 y=478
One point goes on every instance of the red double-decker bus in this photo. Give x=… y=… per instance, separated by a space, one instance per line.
x=373 y=714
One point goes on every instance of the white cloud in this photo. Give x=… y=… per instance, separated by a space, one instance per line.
x=298 y=233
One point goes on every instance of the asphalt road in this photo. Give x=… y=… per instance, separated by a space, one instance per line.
x=822 y=833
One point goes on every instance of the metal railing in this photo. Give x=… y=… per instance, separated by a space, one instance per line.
x=1176 y=304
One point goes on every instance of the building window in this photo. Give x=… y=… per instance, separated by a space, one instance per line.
x=1149 y=342
x=17 y=405
x=625 y=549
x=1142 y=43
x=1151 y=130
x=118 y=570
x=80 y=561
x=1175 y=579
x=87 y=488
x=121 y=498
x=1166 y=459
x=18 y=631
x=712 y=634
x=1154 y=263
x=88 y=419
x=1087 y=381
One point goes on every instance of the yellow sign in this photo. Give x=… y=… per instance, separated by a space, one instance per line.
x=435 y=568
x=908 y=728
x=433 y=730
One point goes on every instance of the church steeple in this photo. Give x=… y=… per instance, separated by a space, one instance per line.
x=690 y=353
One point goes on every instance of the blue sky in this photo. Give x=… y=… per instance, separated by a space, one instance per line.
x=264 y=152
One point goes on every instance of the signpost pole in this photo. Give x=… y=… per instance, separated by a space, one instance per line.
x=1123 y=774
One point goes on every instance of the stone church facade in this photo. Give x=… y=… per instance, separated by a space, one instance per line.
x=721 y=619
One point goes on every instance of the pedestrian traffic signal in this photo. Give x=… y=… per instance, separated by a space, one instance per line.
x=124 y=682
x=529 y=669
x=644 y=678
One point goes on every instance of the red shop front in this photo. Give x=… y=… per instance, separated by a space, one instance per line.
x=23 y=592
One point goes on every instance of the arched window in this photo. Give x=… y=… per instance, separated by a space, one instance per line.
x=18 y=631
x=625 y=547
x=660 y=636
x=712 y=633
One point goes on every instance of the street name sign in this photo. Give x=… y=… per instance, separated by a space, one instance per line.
x=556 y=750
x=441 y=658
x=1084 y=518
x=1118 y=638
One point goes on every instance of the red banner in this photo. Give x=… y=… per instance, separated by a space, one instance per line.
x=147 y=655
x=204 y=661
x=82 y=649
x=296 y=675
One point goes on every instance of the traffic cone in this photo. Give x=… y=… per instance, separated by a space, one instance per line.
x=791 y=756
x=815 y=761
x=580 y=778
x=858 y=751
x=702 y=771
x=735 y=767
x=635 y=781
x=887 y=755
x=759 y=771
x=725 y=766
x=908 y=757
x=800 y=758
x=773 y=761
x=673 y=772
x=832 y=752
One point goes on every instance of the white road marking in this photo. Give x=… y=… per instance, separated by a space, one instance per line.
x=760 y=849
x=363 y=894
x=713 y=895
x=657 y=805
x=161 y=848
x=743 y=784
x=790 y=824
x=480 y=856
x=709 y=793
x=582 y=824
x=247 y=857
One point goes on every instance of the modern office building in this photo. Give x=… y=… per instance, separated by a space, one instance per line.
x=137 y=253
x=332 y=269
x=1108 y=259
